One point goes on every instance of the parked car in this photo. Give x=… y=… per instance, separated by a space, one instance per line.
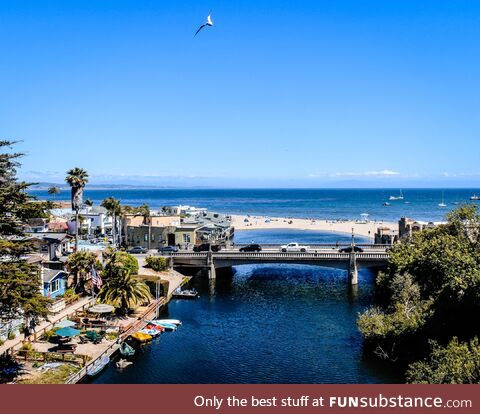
x=253 y=247
x=205 y=247
x=293 y=247
x=137 y=250
x=349 y=249
x=168 y=249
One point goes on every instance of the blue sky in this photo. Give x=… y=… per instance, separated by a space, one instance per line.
x=277 y=93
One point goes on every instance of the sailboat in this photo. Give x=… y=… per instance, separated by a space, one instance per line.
x=400 y=197
x=442 y=204
x=475 y=197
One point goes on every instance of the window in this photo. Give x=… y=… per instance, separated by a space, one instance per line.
x=186 y=238
x=54 y=286
x=145 y=237
x=153 y=237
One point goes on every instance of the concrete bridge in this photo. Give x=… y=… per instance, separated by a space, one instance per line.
x=373 y=256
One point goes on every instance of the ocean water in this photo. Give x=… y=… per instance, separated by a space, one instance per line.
x=263 y=324
x=420 y=204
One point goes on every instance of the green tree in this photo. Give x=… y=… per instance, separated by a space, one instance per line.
x=20 y=283
x=431 y=290
x=124 y=291
x=114 y=210
x=156 y=263
x=76 y=178
x=80 y=264
x=119 y=260
x=457 y=363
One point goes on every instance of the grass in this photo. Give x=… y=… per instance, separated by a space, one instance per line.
x=56 y=376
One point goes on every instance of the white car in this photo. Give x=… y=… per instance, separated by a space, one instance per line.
x=293 y=247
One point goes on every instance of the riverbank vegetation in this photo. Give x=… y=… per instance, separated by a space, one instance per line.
x=428 y=302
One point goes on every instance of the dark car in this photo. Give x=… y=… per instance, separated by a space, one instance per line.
x=251 y=248
x=137 y=250
x=349 y=249
x=168 y=249
x=205 y=247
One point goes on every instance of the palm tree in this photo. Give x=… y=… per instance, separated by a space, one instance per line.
x=125 y=291
x=80 y=265
x=114 y=210
x=77 y=178
x=88 y=202
x=54 y=190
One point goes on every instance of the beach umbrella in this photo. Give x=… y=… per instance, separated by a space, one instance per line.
x=65 y=324
x=101 y=308
x=67 y=332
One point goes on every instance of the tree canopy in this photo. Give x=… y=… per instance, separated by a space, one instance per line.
x=430 y=292
x=20 y=282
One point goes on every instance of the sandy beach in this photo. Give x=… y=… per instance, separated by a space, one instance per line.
x=367 y=229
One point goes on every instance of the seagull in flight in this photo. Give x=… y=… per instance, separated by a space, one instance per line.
x=207 y=23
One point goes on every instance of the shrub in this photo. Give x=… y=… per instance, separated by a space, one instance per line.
x=111 y=336
x=48 y=335
x=11 y=335
x=26 y=346
x=156 y=263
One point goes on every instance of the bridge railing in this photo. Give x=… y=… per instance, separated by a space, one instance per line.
x=268 y=246
x=225 y=255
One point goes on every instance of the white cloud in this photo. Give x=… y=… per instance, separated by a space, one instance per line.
x=382 y=173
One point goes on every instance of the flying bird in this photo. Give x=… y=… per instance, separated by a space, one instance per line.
x=207 y=23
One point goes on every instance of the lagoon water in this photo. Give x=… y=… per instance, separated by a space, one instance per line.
x=263 y=324
x=272 y=323
x=420 y=204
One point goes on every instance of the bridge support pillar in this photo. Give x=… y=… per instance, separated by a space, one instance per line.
x=352 y=270
x=212 y=273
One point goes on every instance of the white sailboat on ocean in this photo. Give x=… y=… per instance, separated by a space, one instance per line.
x=442 y=204
x=399 y=197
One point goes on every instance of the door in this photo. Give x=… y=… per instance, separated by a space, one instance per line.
x=171 y=239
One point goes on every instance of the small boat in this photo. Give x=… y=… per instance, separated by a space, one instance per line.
x=126 y=350
x=442 y=204
x=185 y=294
x=386 y=204
x=167 y=326
x=123 y=363
x=97 y=366
x=171 y=321
x=475 y=197
x=400 y=197
x=141 y=337
x=156 y=327
x=151 y=332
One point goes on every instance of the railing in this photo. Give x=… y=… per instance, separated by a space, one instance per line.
x=152 y=307
x=282 y=255
x=317 y=246
x=42 y=356
x=49 y=327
